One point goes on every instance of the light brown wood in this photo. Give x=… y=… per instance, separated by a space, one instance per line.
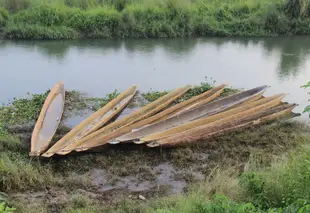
x=203 y=131
x=48 y=120
x=239 y=124
x=209 y=95
x=195 y=101
x=193 y=114
x=134 y=117
x=93 y=122
x=210 y=119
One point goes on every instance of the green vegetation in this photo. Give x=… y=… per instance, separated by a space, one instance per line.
x=5 y=209
x=63 y=19
x=307 y=109
x=244 y=171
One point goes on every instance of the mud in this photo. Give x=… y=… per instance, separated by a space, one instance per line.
x=125 y=171
x=164 y=175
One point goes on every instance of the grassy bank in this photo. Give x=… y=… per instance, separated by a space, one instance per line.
x=238 y=172
x=66 y=19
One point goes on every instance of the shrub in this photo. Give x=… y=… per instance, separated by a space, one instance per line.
x=282 y=184
x=16 y=5
x=43 y=15
x=5 y=209
x=39 y=32
x=3 y=18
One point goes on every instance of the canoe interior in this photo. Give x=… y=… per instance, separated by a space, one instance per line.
x=48 y=121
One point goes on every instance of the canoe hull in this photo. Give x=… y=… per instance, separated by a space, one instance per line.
x=48 y=121
x=223 y=128
x=249 y=107
x=95 y=139
x=196 y=113
x=93 y=122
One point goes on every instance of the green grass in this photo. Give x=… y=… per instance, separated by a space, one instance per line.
x=243 y=170
x=63 y=19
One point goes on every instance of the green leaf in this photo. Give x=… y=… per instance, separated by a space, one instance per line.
x=307 y=109
x=306 y=85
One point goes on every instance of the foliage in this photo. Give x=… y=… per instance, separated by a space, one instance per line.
x=5 y=209
x=282 y=184
x=297 y=8
x=15 y=5
x=221 y=204
x=307 y=109
x=63 y=19
x=3 y=18
x=22 y=110
x=100 y=102
x=153 y=95
x=39 y=32
x=16 y=172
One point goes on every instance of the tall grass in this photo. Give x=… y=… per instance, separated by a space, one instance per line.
x=286 y=181
x=61 y=19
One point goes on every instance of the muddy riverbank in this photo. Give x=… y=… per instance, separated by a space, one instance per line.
x=115 y=174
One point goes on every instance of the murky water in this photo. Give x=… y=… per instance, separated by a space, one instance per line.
x=98 y=67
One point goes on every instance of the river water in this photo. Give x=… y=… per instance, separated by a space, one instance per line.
x=98 y=67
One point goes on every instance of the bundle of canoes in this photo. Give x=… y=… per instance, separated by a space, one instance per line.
x=163 y=122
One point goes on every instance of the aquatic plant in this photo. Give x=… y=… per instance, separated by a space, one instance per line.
x=307 y=109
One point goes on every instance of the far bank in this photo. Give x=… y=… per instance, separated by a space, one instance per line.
x=29 y=19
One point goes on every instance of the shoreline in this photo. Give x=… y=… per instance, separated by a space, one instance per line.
x=155 y=20
x=114 y=179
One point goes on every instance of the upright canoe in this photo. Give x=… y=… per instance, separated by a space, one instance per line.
x=48 y=120
x=93 y=122
x=134 y=117
x=204 y=97
x=207 y=132
x=196 y=113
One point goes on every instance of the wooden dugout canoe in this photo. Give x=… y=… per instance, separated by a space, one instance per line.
x=134 y=117
x=94 y=122
x=210 y=119
x=192 y=103
x=206 y=133
x=48 y=120
x=196 y=113
x=204 y=97
x=197 y=101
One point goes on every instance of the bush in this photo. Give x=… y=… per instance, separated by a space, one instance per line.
x=43 y=15
x=277 y=23
x=16 y=5
x=282 y=184
x=158 y=19
x=103 y=22
x=5 y=209
x=39 y=32
x=3 y=18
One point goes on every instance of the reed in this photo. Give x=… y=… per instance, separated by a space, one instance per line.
x=61 y=19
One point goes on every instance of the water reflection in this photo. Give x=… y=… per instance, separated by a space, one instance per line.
x=98 y=67
x=292 y=51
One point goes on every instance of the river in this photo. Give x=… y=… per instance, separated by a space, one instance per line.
x=98 y=67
